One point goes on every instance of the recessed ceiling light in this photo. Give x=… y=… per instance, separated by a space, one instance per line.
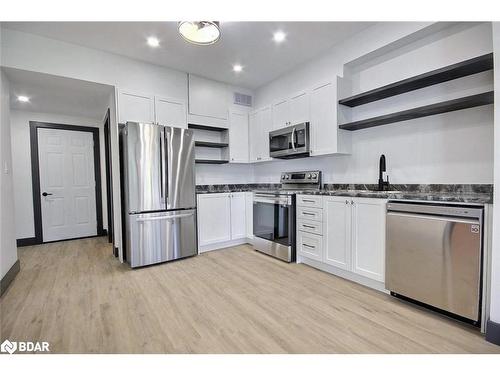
x=153 y=42
x=279 y=36
x=23 y=98
x=200 y=32
x=237 y=68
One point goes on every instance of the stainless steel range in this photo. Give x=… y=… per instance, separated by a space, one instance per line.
x=274 y=214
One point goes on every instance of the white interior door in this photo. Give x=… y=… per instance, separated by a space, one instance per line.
x=67 y=184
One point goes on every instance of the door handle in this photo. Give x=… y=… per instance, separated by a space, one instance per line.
x=46 y=194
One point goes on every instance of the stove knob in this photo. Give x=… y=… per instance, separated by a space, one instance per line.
x=308 y=175
x=314 y=175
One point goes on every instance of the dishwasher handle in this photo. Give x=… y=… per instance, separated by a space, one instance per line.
x=435 y=217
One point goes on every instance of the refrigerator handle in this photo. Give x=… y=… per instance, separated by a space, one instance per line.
x=162 y=166
x=166 y=156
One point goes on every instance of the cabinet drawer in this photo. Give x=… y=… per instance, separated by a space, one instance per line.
x=315 y=227
x=307 y=213
x=310 y=201
x=310 y=245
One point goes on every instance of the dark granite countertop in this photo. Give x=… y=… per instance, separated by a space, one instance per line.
x=458 y=193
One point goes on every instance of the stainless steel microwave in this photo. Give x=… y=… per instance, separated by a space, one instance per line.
x=290 y=142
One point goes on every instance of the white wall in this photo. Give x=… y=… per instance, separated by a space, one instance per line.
x=450 y=148
x=20 y=128
x=8 y=249
x=495 y=261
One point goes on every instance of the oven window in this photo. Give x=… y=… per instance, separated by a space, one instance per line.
x=270 y=222
x=280 y=142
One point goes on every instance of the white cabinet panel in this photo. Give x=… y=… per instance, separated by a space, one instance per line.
x=214 y=218
x=310 y=245
x=337 y=232
x=280 y=114
x=299 y=108
x=238 y=137
x=208 y=98
x=238 y=216
x=307 y=213
x=254 y=136
x=315 y=227
x=265 y=128
x=170 y=112
x=323 y=125
x=249 y=213
x=310 y=201
x=368 y=238
x=135 y=107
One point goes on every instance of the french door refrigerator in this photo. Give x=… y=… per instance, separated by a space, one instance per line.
x=158 y=184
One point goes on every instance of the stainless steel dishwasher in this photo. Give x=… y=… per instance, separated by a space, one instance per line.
x=433 y=256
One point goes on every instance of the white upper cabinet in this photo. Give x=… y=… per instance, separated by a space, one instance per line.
x=368 y=237
x=170 y=112
x=208 y=100
x=291 y=111
x=136 y=107
x=238 y=137
x=238 y=215
x=280 y=113
x=323 y=126
x=299 y=108
x=260 y=124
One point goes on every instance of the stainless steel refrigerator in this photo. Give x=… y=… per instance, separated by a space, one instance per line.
x=158 y=184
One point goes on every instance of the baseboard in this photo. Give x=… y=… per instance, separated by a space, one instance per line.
x=222 y=245
x=9 y=276
x=380 y=286
x=493 y=332
x=30 y=241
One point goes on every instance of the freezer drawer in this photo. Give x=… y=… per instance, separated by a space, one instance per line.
x=160 y=237
x=435 y=260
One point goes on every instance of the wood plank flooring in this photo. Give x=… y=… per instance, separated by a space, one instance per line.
x=78 y=297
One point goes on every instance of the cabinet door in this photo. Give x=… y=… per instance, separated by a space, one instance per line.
x=249 y=213
x=368 y=238
x=337 y=231
x=299 y=108
x=136 y=107
x=208 y=98
x=280 y=115
x=238 y=137
x=214 y=218
x=323 y=126
x=238 y=217
x=254 y=136
x=266 y=124
x=170 y=112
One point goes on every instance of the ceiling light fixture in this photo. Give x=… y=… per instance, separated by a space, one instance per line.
x=200 y=32
x=279 y=36
x=23 y=98
x=237 y=68
x=153 y=42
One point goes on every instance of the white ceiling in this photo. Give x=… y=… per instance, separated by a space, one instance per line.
x=53 y=94
x=247 y=43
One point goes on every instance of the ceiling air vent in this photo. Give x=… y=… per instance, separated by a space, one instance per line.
x=242 y=99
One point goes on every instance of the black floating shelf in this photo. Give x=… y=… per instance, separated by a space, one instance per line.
x=428 y=110
x=448 y=73
x=210 y=161
x=210 y=144
x=206 y=127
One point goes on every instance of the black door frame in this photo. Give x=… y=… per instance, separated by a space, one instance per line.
x=109 y=177
x=35 y=173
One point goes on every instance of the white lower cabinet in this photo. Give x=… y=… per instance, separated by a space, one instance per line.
x=222 y=220
x=249 y=214
x=352 y=240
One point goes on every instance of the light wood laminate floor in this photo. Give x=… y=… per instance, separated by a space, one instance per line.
x=80 y=299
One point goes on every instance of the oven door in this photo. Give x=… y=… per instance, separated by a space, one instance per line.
x=273 y=225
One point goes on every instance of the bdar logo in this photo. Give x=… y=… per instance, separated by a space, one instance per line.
x=8 y=347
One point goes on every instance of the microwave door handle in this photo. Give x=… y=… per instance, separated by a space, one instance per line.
x=293 y=139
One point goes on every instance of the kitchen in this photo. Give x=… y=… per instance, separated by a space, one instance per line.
x=350 y=188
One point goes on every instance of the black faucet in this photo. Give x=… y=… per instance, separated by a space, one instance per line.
x=382 y=185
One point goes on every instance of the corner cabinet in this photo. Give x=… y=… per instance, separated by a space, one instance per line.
x=221 y=220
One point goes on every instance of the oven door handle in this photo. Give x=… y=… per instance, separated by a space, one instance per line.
x=283 y=202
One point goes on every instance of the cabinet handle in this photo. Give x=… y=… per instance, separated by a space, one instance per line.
x=346 y=201
x=308 y=226
x=309 y=246
x=308 y=213
x=352 y=202
x=307 y=200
